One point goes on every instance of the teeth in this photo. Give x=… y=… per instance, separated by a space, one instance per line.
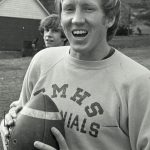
x=80 y=32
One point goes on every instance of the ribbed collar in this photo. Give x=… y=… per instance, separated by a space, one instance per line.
x=90 y=64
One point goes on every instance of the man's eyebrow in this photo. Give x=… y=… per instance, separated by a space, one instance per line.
x=68 y=4
x=89 y=5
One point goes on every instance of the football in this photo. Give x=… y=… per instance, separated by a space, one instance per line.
x=34 y=123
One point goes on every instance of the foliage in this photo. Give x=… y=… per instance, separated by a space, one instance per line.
x=124 y=30
x=135 y=11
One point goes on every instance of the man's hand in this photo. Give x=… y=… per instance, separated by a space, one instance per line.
x=8 y=122
x=10 y=117
x=60 y=139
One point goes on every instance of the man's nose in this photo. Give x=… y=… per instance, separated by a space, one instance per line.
x=78 y=17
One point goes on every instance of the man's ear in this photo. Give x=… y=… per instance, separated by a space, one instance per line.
x=110 y=21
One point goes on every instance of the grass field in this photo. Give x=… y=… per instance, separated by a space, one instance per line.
x=13 y=67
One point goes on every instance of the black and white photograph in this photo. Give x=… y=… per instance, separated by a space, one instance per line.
x=74 y=74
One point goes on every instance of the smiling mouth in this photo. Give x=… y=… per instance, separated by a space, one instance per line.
x=79 y=33
x=49 y=40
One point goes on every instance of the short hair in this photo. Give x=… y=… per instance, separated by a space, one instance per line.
x=51 y=22
x=111 y=9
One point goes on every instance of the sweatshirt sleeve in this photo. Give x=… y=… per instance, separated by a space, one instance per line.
x=39 y=65
x=139 y=113
x=30 y=79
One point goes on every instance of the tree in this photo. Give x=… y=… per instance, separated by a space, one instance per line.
x=142 y=11
x=126 y=20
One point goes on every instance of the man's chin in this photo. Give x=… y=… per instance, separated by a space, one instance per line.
x=79 y=47
x=49 y=45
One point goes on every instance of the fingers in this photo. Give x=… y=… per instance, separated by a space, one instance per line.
x=4 y=142
x=60 y=139
x=4 y=133
x=2 y=127
x=7 y=123
x=17 y=109
x=9 y=120
x=14 y=104
x=10 y=117
x=42 y=146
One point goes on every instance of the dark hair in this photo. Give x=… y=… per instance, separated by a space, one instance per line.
x=51 y=22
x=111 y=9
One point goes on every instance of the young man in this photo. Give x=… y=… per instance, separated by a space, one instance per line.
x=103 y=95
x=52 y=31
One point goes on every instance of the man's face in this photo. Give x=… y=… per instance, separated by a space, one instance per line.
x=84 y=24
x=53 y=38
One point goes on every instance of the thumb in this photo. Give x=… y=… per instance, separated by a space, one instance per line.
x=41 y=146
x=60 y=139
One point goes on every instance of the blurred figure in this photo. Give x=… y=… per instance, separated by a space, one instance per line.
x=139 y=31
x=34 y=44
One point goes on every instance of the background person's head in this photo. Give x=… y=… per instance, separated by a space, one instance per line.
x=111 y=9
x=52 y=31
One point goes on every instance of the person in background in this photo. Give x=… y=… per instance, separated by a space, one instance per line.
x=35 y=45
x=139 y=30
x=103 y=95
x=52 y=32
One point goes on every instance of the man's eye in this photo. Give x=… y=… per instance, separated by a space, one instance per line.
x=46 y=29
x=89 y=9
x=68 y=8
